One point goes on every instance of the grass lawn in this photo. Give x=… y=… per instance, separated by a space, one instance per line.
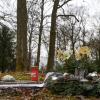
x=22 y=76
x=17 y=75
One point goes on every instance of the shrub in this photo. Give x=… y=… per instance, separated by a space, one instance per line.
x=71 y=64
x=89 y=65
x=66 y=88
x=41 y=78
x=74 y=87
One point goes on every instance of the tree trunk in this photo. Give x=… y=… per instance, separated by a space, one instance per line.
x=73 y=43
x=21 y=50
x=30 y=50
x=40 y=35
x=99 y=57
x=51 y=54
x=84 y=33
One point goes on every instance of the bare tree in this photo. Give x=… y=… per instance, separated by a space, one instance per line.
x=51 y=54
x=33 y=26
x=69 y=33
x=94 y=43
x=40 y=34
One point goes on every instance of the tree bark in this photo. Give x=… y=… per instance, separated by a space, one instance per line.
x=51 y=54
x=72 y=40
x=40 y=35
x=99 y=56
x=30 y=48
x=21 y=50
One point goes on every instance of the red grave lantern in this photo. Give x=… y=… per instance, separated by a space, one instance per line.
x=34 y=73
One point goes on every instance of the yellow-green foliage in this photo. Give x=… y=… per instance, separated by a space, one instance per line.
x=22 y=76
x=41 y=78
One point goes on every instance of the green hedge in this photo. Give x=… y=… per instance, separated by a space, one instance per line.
x=74 y=87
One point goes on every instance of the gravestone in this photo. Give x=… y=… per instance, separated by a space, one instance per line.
x=79 y=73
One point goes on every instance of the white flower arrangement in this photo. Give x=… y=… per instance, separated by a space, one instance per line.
x=8 y=78
x=62 y=55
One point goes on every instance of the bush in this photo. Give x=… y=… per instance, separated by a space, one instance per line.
x=74 y=87
x=41 y=78
x=96 y=90
x=66 y=88
x=89 y=65
x=71 y=64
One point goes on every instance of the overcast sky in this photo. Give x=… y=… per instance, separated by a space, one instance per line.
x=93 y=5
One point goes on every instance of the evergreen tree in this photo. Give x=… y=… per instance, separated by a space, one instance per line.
x=6 y=49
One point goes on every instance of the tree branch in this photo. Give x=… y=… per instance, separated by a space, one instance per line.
x=63 y=3
x=67 y=16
